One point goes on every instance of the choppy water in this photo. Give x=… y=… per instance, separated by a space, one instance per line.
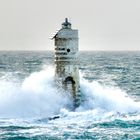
x=110 y=82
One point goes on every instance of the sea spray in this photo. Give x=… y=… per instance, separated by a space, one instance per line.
x=35 y=97
x=99 y=116
x=106 y=98
x=101 y=104
x=38 y=97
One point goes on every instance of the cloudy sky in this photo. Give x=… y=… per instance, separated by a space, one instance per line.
x=102 y=24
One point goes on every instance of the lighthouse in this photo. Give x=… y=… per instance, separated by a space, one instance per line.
x=66 y=53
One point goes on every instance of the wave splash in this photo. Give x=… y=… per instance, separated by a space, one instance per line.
x=37 y=96
x=107 y=98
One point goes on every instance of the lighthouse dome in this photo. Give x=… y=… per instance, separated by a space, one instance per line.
x=66 y=24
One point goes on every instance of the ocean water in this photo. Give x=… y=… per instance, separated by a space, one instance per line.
x=109 y=81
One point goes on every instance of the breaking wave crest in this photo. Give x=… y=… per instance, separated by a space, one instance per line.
x=37 y=96
x=107 y=98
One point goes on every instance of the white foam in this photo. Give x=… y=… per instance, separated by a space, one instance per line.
x=107 y=98
x=37 y=96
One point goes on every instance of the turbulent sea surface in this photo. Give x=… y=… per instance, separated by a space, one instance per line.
x=109 y=81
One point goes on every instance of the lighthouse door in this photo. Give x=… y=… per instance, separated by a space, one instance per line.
x=70 y=85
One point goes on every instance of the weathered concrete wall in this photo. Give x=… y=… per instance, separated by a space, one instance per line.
x=66 y=50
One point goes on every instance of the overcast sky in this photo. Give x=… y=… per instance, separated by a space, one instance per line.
x=102 y=24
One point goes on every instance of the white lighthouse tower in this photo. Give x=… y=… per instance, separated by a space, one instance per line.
x=66 y=49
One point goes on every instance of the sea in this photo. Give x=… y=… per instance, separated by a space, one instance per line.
x=33 y=108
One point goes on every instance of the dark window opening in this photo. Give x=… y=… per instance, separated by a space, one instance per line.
x=68 y=50
x=69 y=79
